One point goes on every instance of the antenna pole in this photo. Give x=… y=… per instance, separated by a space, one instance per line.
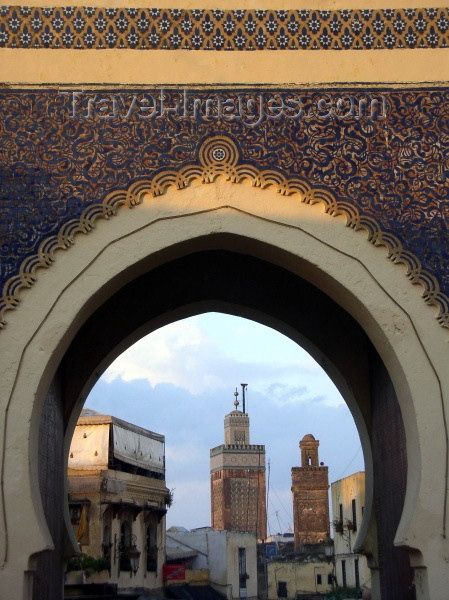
x=244 y=386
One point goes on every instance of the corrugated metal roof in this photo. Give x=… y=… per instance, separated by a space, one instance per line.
x=92 y=417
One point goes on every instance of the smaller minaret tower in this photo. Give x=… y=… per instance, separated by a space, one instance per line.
x=310 y=484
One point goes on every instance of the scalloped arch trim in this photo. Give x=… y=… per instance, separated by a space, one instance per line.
x=219 y=156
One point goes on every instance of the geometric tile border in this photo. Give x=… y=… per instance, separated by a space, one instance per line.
x=172 y=29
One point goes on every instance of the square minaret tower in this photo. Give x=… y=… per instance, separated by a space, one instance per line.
x=310 y=484
x=237 y=473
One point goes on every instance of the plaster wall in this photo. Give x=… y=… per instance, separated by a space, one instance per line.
x=197 y=576
x=191 y=540
x=90 y=447
x=350 y=562
x=236 y=540
x=218 y=552
x=159 y=67
x=218 y=568
x=300 y=577
x=343 y=492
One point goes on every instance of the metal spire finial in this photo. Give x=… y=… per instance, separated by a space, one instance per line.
x=236 y=402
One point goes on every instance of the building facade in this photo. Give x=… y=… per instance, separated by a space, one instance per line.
x=228 y=557
x=294 y=579
x=310 y=484
x=237 y=472
x=118 y=498
x=348 y=505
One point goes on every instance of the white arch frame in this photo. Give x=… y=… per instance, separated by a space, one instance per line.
x=357 y=275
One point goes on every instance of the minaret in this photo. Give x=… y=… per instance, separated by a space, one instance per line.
x=236 y=425
x=310 y=484
x=237 y=473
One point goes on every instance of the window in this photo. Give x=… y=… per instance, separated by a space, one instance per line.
x=151 y=547
x=282 y=589
x=79 y=517
x=243 y=576
x=356 y=573
x=354 y=516
x=343 y=572
x=107 y=543
x=318 y=579
x=330 y=579
x=125 y=545
x=75 y=514
x=239 y=436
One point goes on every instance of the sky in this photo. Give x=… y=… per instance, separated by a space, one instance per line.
x=180 y=381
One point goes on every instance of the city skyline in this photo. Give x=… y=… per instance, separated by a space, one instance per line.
x=180 y=381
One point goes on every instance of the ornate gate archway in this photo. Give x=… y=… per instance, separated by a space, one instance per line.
x=182 y=251
x=346 y=116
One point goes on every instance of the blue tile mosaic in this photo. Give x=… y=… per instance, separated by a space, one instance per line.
x=60 y=153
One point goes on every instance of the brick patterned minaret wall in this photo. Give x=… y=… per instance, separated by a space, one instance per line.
x=238 y=489
x=310 y=485
x=238 y=500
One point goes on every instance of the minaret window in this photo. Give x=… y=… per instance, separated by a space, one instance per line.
x=239 y=436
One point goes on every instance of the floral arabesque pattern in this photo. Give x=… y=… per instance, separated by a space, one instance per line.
x=391 y=175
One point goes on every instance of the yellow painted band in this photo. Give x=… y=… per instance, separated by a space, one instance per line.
x=188 y=67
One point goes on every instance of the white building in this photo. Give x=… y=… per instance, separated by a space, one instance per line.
x=118 y=499
x=229 y=556
x=348 y=502
x=292 y=578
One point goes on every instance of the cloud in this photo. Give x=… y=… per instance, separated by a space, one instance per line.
x=186 y=356
x=191 y=504
x=175 y=354
x=183 y=454
x=282 y=393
